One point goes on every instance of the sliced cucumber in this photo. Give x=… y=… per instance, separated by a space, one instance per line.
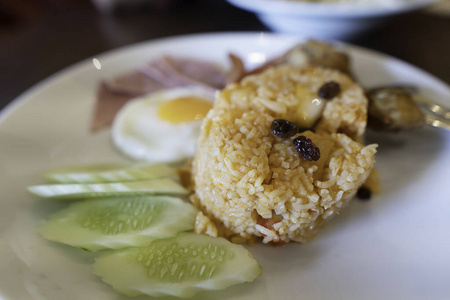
x=100 y=173
x=119 y=222
x=135 y=188
x=181 y=266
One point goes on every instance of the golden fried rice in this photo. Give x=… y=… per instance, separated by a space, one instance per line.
x=249 y=183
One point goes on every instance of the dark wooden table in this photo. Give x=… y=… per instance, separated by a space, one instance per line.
x=42 y=47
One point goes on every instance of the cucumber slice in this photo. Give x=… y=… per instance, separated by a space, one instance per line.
x=100 y=173
x=181 y=266
x=119 y=222
x=95 y=190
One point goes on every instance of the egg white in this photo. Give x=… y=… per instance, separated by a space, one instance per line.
x=141 y=134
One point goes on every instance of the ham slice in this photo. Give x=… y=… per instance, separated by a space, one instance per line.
x=106 y=107
x=133 y=84
x=184 y=72
x=200 y=71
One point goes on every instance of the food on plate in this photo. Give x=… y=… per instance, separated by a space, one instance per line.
x=181 y=266
x=70 y=191
x=163 y=126
x=164 y=73
x=100 y=173
x=115 y=223
x=393 y=108
x=250 y=183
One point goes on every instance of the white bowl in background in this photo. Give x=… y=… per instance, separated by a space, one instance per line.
x=327 y=20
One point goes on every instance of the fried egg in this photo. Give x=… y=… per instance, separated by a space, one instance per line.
x=162 y=126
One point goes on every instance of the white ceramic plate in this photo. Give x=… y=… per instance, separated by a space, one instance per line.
x=395 y=246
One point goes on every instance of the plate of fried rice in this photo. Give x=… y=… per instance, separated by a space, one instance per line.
x=296 y=211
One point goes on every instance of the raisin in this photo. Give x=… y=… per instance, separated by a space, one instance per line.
x=364 y=194
x=306 y=148
x=329 y=90
x=283 y=129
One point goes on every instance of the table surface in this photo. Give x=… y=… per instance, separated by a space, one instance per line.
x=32 y=52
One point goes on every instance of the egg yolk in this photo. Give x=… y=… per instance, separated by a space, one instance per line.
x=184 y=109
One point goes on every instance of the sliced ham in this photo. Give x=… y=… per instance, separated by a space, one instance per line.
x=183 y=72
x=107 y=105
x=200 y=71
x=162 y=72
x=133 y=84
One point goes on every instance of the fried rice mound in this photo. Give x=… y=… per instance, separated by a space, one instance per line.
x=250 y=184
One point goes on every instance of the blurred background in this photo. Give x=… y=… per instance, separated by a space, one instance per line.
x=40 y=37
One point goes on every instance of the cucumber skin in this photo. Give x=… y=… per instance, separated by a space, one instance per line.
x=120 y=270
x=101 y=190
x=62 y=226
x=102 y=173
